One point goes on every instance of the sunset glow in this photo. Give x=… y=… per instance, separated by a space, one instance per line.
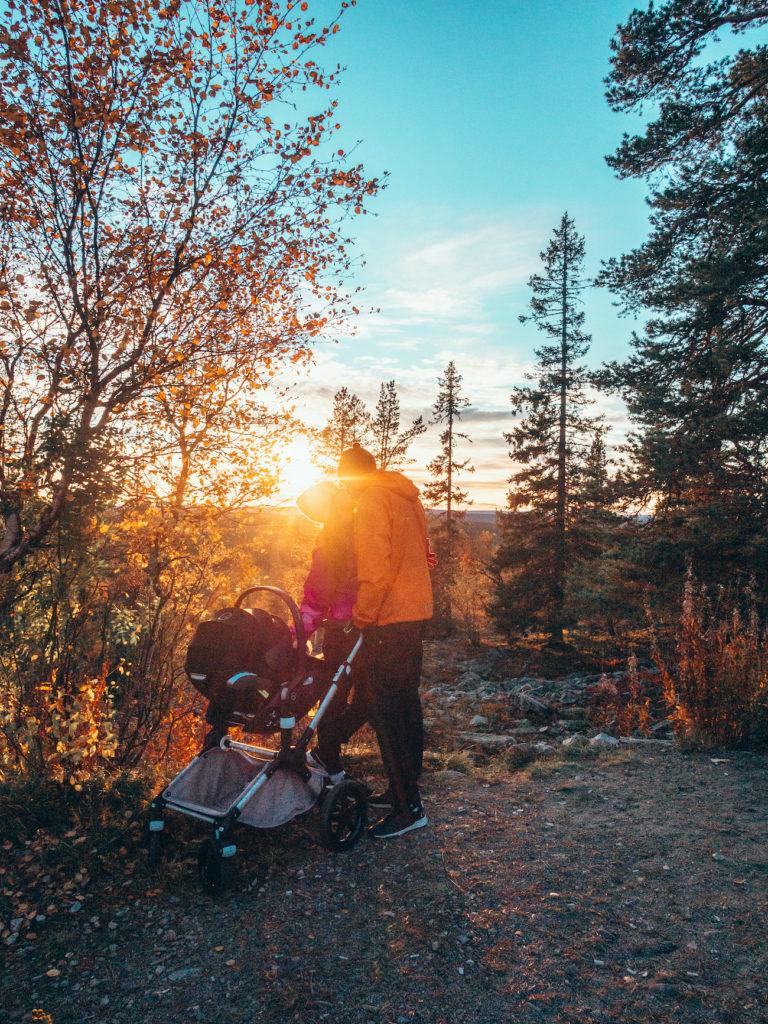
x=297 y=470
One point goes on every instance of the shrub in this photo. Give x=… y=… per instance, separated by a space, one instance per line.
x=716 y=680
x=66 y=737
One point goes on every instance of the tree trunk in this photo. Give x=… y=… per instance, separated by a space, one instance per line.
x=449 y=523
x=558 y=588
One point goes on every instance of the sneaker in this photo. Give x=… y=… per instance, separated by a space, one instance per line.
x=398 y=824
x=314 y=762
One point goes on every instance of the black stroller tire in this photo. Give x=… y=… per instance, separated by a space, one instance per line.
x=154 y=850
x=214 y=870
x=343 y=815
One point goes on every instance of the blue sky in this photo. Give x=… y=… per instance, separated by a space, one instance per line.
x=491 y=120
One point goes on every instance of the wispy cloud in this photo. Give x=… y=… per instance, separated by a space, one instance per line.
x=454 y=276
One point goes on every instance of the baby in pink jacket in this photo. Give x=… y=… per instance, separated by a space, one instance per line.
x=331 y=584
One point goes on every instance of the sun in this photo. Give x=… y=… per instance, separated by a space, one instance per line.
x=297 y=470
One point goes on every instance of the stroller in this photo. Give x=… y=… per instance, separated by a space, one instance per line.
x=257 y=676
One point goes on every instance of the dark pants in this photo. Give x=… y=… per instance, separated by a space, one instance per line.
x=347 y=713
x=396 y=654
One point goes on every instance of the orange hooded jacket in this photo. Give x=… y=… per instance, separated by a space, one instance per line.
x=391 y=550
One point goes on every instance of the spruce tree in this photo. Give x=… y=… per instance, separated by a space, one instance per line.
x=548 y=445
x=390 y=444
x=444 y=490
x=696 y=383
x=349 y=422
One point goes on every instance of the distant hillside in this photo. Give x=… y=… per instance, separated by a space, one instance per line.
x=475 y=519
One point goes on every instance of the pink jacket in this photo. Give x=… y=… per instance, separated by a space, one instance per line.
x=330 y=588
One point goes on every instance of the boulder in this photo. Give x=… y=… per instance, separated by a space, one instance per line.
x=646 y=743
x=478 y=722
x=487 y=740
x=533 y=708
x=576 y=741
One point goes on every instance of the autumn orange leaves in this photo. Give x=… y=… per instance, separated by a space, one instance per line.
x=163 y=213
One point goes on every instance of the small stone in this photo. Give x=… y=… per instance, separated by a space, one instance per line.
x=718 y=856
x=478 y=721
x=183 y=972
x=75 y=907
x=54 y=972
x=604 y=740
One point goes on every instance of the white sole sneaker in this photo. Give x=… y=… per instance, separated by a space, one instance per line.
x=421 y=822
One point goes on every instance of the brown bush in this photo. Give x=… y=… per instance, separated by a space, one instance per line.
x=715 y=681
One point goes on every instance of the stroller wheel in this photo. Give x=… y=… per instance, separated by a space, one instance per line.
x=344 y=815
x=215 y=871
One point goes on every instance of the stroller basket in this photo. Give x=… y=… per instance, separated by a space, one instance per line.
x=215 y=780
x=231 y=783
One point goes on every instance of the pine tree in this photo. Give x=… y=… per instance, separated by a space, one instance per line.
x=696 y=383
x=444 y=490
x=349 y=422
x=390 y=444
x=548 y=444
x=596 y=587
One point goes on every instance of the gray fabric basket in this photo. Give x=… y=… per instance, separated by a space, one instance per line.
x=214 y=781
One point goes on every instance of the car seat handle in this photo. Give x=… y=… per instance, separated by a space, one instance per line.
x=298 y=625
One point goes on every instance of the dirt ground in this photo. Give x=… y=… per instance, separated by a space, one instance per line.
x=631 y=887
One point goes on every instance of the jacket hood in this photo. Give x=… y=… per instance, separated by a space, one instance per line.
x=396 y=483
x=323 y=502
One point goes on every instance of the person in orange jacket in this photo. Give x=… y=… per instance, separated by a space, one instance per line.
x=393 y=605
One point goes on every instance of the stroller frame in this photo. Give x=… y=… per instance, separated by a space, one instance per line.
x=344 y=805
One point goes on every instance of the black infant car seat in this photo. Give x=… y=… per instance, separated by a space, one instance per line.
x=240 y=660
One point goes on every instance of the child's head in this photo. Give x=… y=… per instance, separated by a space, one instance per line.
x=324 y=502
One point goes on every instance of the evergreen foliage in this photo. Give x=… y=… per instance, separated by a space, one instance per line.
x=557 y=449
x=390 y=444
x=444 y=490
x=349 y=422
x=696 y=383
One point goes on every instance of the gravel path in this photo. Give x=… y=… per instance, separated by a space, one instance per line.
x=631 y=888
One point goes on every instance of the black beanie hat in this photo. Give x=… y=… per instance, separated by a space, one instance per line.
x=355 y=462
